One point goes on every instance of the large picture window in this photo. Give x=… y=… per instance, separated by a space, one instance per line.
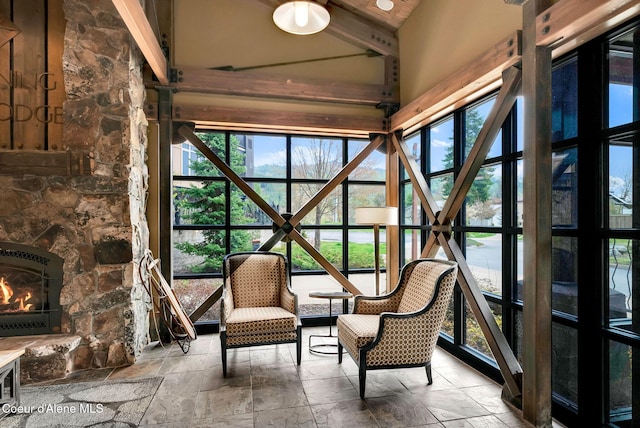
x=213 y=217
x=595 y=145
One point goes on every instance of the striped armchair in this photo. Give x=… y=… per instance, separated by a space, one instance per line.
x=401 y=328
x=258 y=306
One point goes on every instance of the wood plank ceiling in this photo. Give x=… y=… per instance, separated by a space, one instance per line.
x=368 y=10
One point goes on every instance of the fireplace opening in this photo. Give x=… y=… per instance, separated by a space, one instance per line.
x=22 y=291
x=30 y=284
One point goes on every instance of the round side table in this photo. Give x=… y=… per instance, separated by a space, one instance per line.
x=327 y=348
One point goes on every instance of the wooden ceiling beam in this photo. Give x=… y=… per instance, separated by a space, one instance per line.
x=360 y=32
x=356 y=30
x=241 y=119
x=483 y=75
x=136 y=21
x=263 y=85
x=558 y=27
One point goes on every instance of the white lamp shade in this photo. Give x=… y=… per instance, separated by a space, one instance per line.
x=301 y=17
x=377 y=215
x=385 y=5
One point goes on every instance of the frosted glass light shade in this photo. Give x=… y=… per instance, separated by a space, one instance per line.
x=385 y=5
x=301 y=17
x=377 y=215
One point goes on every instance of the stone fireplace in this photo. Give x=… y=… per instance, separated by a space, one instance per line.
x=30 y=285
x=74 y=189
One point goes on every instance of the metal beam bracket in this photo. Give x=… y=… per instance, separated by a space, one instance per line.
x=173 y=75
x=286 y=227
x=437 y=228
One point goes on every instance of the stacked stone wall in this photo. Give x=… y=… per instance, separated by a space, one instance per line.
x=95 y=222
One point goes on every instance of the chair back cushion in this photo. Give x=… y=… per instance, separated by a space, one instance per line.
x=420 y=286
x=256 y=279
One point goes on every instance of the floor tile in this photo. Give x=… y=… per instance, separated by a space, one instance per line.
x=144 y=368
x=223 y=401
x=184 y=363
x=329 y=390
x=169 y=408
x=351 y=413
x=488 y=396
x=462 y=376
x=320 y=369
x=400 y=410
x=265 y=387
x=224 y=421
x=451 y=404
x=281 y=418
x=379 y=384
x=489 y=421
x=276 y=388
x=176 y=384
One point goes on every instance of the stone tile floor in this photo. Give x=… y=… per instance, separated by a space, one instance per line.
x=264 y=387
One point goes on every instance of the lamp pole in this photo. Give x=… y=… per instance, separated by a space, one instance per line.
x=376 y=245
x=376 y=216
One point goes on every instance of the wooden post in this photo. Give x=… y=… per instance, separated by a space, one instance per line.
x=392 y=200
x=165 y=131
x=536 y=338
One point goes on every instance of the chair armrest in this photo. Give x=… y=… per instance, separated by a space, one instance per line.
x=375 y=305
x=226 y=303
x=402 y=337
x=289 y=300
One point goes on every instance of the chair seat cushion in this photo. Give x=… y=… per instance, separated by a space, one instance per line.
x=271 y=319
x=356 y=331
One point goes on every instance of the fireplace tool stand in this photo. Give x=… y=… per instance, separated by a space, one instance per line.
x=166 y=303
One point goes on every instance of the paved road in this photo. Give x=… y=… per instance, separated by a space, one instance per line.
x=485 y=261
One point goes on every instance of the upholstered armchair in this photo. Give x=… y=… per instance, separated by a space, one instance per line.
x=258 y=306
x=401 y=328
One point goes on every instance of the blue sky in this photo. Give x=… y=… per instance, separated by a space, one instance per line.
x=621 y=159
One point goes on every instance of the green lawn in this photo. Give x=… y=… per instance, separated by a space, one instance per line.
x=360 y=255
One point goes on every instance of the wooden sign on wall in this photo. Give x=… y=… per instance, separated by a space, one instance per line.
x=31 y=81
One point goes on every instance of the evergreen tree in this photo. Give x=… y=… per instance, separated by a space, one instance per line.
x=205 y=204
x=480 y=191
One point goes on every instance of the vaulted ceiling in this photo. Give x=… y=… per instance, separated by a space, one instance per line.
x=357 y=107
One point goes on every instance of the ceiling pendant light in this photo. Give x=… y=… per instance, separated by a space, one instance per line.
x=301 y=17
x=385 y=5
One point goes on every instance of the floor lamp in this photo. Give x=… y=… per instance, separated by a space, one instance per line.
x=377 y=216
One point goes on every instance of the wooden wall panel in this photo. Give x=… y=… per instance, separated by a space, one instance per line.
x=56 y=95
x=31 y=79
x=5 y=90
x=28 y=66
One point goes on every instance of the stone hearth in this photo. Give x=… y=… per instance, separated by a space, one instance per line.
x=46 y=356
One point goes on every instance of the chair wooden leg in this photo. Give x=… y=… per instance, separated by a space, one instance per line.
x=223 y=343
x=362 y=373
x=427 y=367
x=362 y=377
x=299 y=345
x=339 y=352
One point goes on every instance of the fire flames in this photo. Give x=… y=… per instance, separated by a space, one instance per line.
x=14 y=303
